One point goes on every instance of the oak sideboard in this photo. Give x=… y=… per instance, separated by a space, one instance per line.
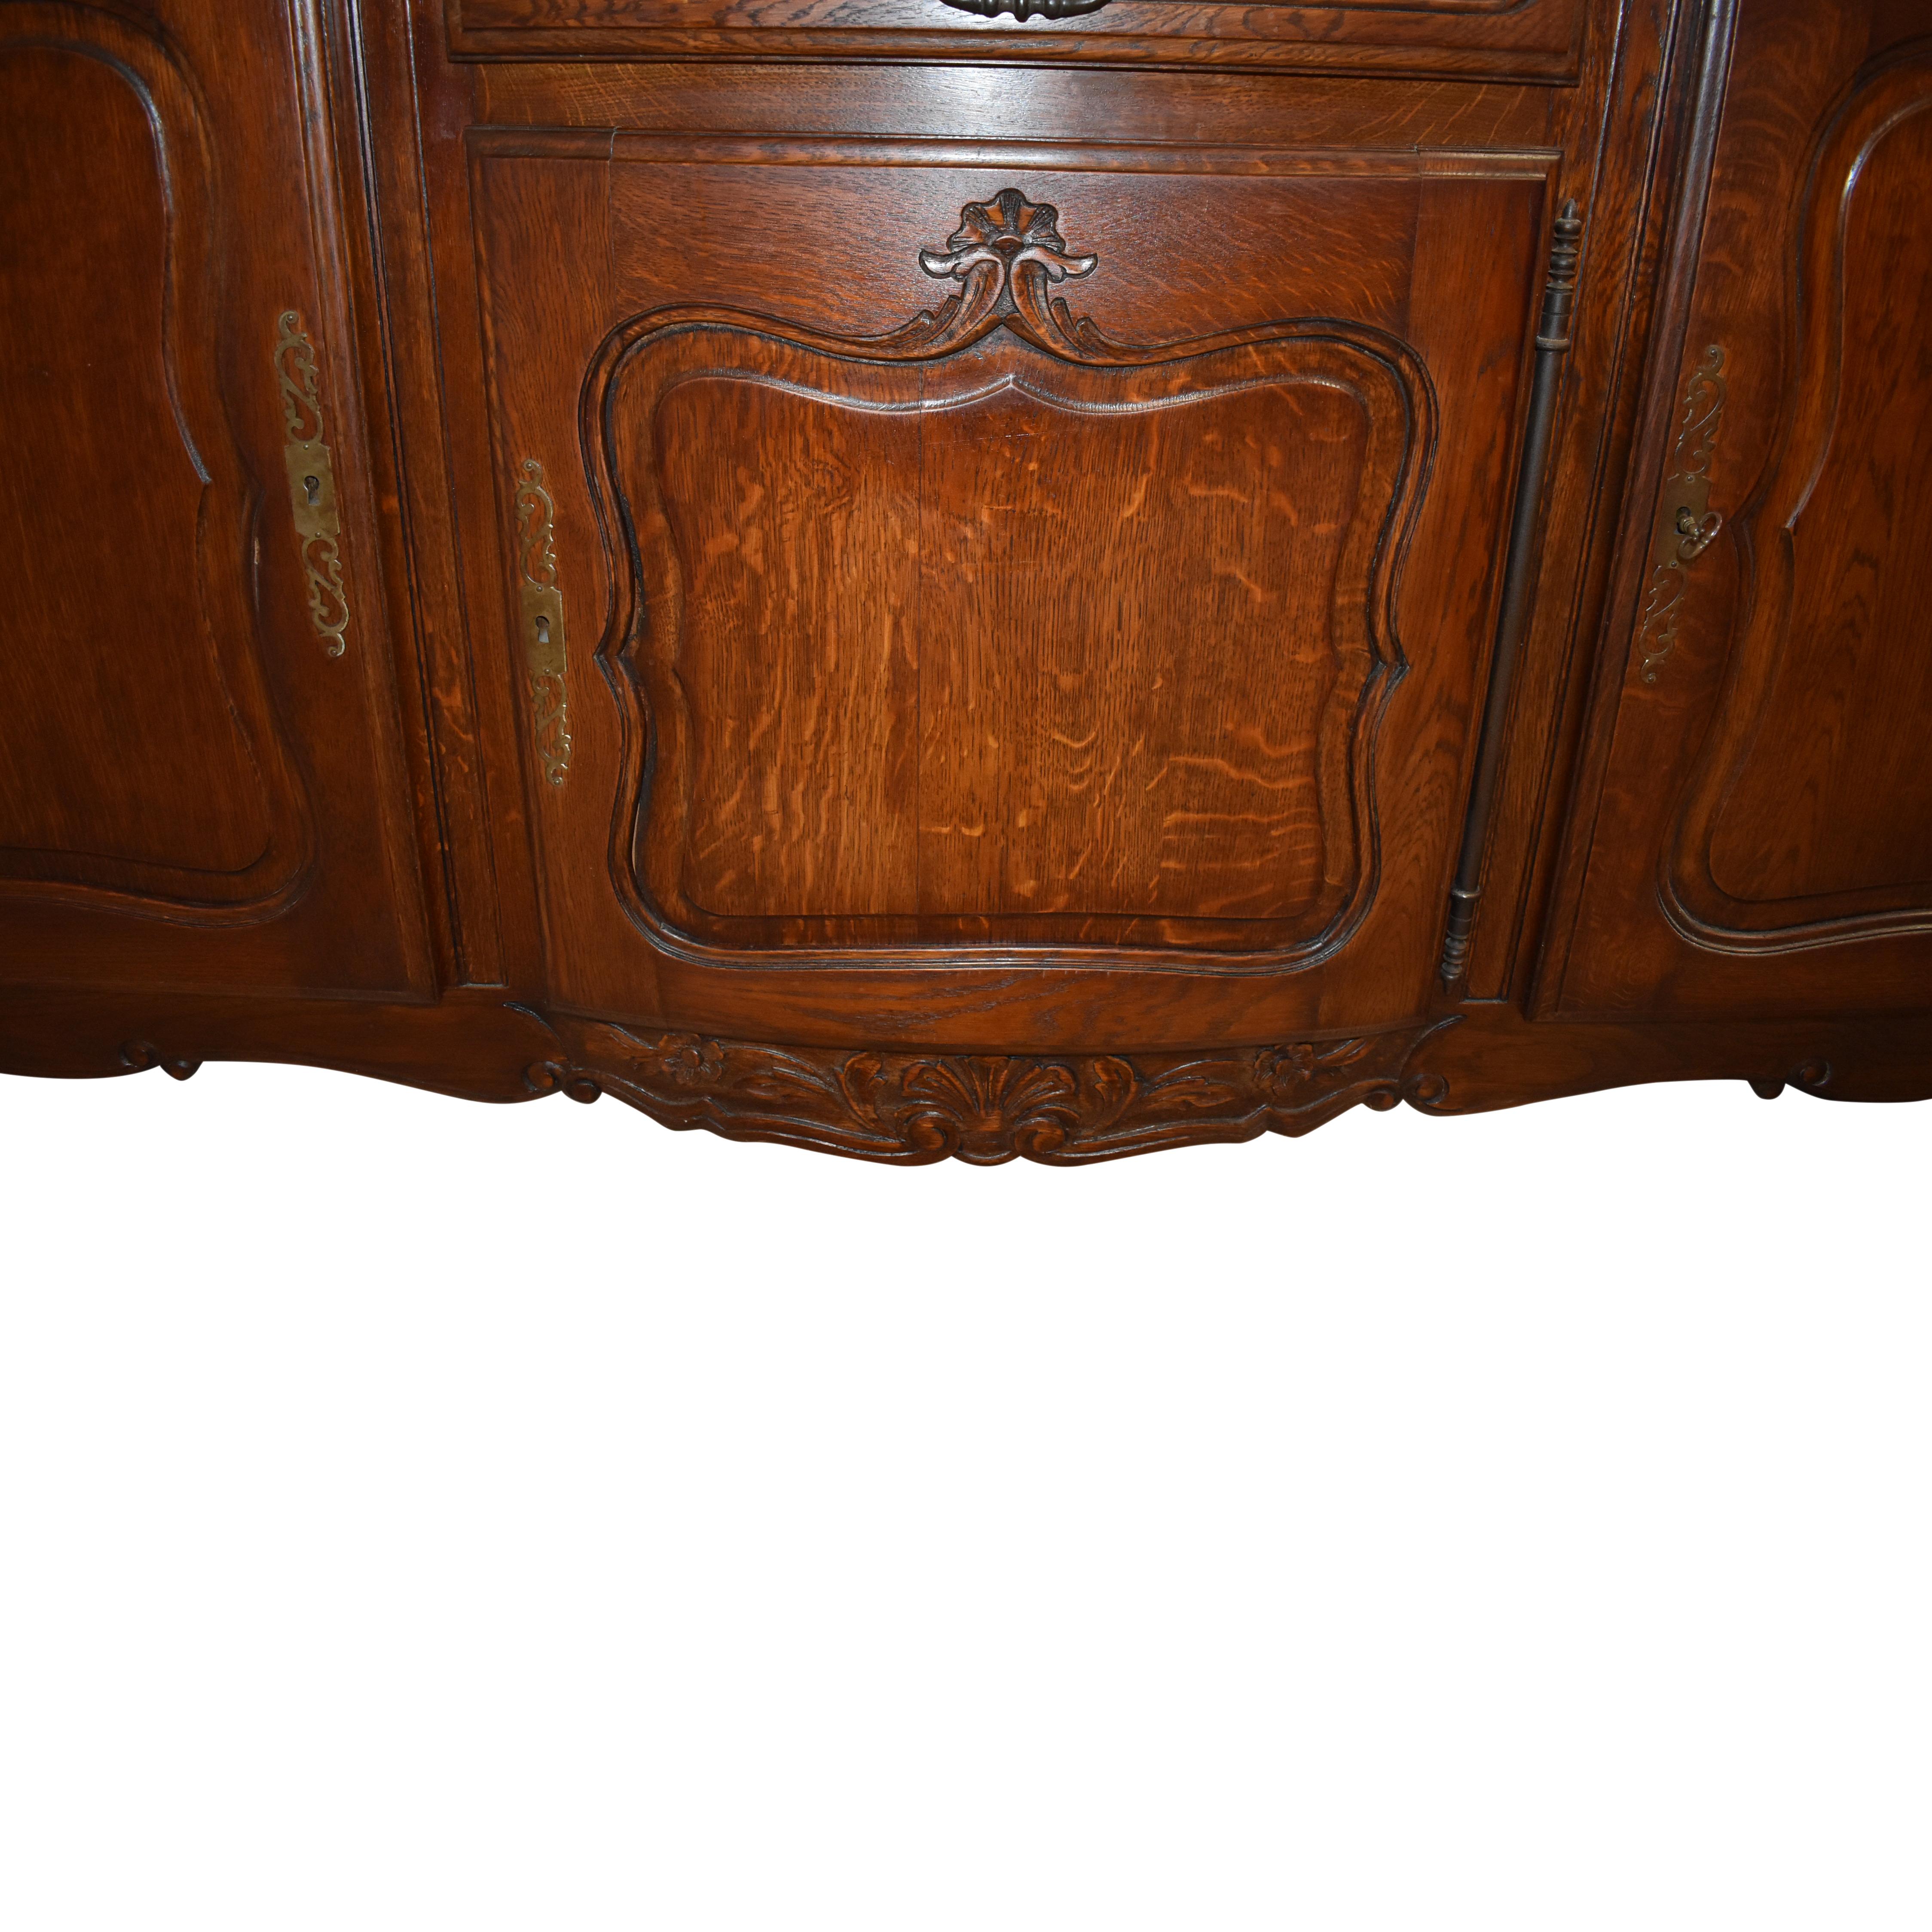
x=969 y=577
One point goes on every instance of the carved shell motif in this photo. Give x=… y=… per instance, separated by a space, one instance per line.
x=985 y=1109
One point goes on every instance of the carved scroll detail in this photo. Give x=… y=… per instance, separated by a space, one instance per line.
x=1685 y=522
x=542 y=602
x=311 y=471
x=1007 y=254
x=985 y=1109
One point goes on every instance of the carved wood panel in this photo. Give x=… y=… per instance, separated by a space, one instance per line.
x=1015 y=626
x=1024 y=638
x=1767 y=769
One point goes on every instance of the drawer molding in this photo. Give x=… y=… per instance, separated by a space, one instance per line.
x=1537 y=41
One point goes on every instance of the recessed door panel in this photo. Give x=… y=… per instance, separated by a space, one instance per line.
x=1003 y=648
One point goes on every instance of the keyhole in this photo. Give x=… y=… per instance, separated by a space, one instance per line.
x=312 y=489
x=543 y=629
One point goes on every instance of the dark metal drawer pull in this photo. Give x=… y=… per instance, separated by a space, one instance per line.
x=1027 y=10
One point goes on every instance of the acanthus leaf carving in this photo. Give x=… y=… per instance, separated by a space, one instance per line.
x=1007 y=254
x=1062 y=1109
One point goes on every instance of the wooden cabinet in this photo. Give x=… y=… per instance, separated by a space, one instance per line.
x=916 y=579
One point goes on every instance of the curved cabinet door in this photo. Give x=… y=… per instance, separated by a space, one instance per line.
x=995 y=604
x=1762 y=840
x=200 y=782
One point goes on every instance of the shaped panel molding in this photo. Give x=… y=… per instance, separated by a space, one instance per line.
x=995 y=631
x=1513 y=39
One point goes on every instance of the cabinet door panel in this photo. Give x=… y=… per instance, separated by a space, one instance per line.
x=998 y=649
x=1767 y=767
x=126 y=760
x=141 y=757
x=1014 y=627
x=200 y=782
x=1838 y=721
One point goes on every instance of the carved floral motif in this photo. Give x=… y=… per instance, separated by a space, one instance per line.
x=1003 y=233
x=984 y=1108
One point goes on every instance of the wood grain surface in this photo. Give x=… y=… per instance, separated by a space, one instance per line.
x=1509 y=38
x=1023 y=511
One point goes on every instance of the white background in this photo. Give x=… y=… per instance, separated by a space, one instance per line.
x=418 y=1515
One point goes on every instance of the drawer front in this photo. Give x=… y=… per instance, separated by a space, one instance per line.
x=1525 y=39
x=917 y=568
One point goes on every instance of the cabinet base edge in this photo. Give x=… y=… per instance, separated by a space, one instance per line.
x=887 y=1104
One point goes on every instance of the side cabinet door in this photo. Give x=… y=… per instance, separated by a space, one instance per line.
x=201 y=783
x=1759 y=839
x=1015 y=604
